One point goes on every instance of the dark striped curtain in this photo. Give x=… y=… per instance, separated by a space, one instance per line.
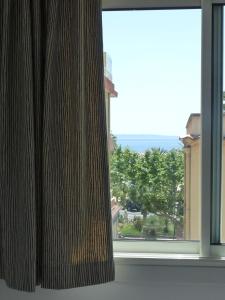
x=55 y=218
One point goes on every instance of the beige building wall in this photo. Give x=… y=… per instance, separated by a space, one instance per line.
x=107 y=106
x=110 y=92
x=223 y=193
x=193 y=180
x=192 y=192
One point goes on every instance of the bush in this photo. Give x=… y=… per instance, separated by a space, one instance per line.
x=149 y=233
x=138 y=223
x=156 y=226
x=130 y=231
x=121 y=219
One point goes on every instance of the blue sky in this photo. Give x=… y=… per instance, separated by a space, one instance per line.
x=156 y=66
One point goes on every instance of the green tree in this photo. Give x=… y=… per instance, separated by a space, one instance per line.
x=153 y=180
x=166 y=198
x=123 y=174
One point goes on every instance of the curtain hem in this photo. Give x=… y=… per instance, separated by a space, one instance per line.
x=70 y=276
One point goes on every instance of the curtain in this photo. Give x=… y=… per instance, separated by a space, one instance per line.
x=55 y=215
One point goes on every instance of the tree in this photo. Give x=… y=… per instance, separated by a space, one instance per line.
x=153 y=181
x=165 y=196
x=123 y=174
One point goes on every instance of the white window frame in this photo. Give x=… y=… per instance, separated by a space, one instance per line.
x=204 y=248
x=150 y=4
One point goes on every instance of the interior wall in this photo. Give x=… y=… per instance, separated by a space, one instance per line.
x=134 y=282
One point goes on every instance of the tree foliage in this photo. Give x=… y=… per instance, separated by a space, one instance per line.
x=153 y=181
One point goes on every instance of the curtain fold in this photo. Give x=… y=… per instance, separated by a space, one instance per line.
x=55 y=215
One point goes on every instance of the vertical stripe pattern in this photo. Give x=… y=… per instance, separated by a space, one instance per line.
x=55 y=216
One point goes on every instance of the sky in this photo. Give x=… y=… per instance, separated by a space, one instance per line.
x=156 y=68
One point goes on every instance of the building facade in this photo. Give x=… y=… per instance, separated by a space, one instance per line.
x=110 y=92
x=192 y=198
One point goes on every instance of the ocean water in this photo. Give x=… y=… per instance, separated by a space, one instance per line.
x=142 y=142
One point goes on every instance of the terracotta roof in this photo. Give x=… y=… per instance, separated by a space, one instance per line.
x=110 y=87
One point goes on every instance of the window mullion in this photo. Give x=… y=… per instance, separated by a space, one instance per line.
x=206 y=122
x=217 y=122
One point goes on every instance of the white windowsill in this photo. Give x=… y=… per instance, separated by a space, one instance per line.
x=176 y=260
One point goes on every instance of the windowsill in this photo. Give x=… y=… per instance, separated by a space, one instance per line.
x=158 y=247
x=176 y=260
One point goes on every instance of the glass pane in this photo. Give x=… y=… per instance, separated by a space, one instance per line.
x=152 y=86
x=223 y=160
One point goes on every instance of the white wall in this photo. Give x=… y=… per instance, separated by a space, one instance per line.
x=140 y=282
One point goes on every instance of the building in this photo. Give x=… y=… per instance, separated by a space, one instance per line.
x=115 y=209
x=192 y=198
x=110 y=92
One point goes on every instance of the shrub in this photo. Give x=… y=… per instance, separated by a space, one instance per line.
x=138 y=223
x=130 y=231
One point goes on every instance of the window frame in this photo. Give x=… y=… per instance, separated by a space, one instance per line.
x=149 y=4
x=209 y=245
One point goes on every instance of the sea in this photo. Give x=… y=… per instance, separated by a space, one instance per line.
x=143 y=142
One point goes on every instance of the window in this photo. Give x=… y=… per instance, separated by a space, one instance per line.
x=211 y=120
x=222 y=107
x=155 y=120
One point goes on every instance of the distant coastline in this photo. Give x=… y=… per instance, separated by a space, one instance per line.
x=143 y=142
